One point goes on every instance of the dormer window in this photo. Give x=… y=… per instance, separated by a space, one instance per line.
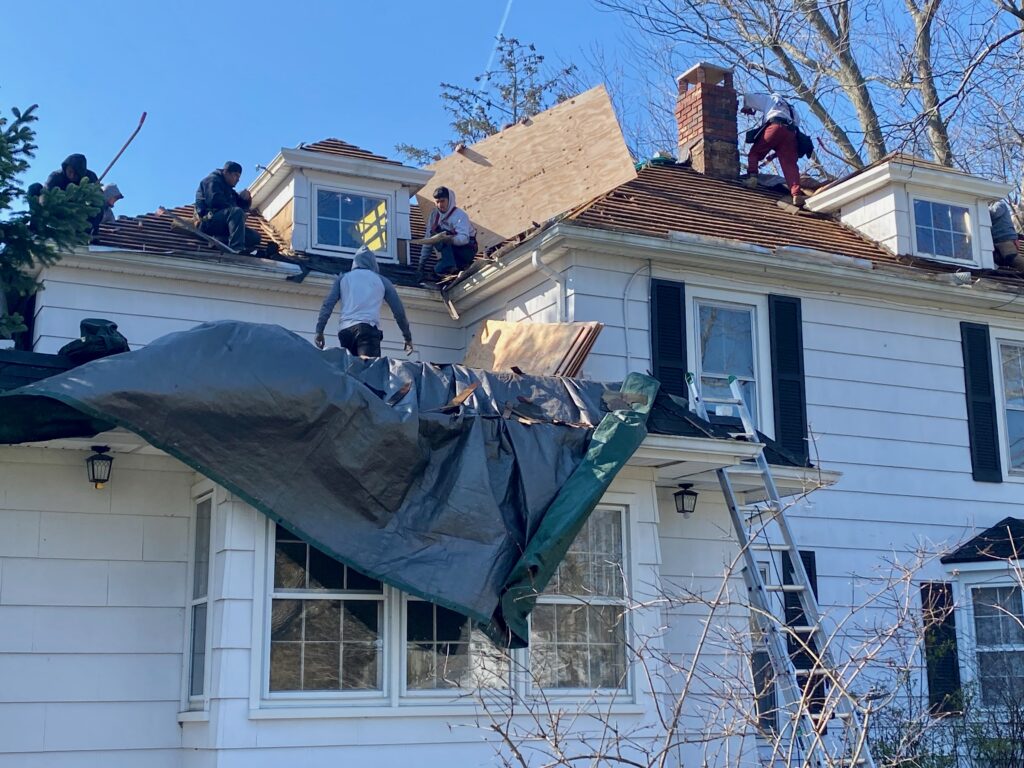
x=942 y=231
x=346 y=220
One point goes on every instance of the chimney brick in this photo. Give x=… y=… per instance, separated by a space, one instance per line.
x=706 y=119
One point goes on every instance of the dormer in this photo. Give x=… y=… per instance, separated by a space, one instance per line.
x=917 y=208
x=330 y=197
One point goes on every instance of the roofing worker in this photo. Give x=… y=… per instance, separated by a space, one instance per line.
x=1004 y=236
x=221 y=210
x=778 y=132
x=72 y=171
x=111 y=194
x=361 y=291
x=458 y=246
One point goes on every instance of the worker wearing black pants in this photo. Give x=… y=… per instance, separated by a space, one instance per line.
x=361 y=339
x=230 y=223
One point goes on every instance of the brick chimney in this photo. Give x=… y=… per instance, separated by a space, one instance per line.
x=706 y=116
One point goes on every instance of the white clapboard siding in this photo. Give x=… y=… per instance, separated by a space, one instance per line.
x=92 y=589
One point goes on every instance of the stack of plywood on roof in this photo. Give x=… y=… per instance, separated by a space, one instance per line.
x=531 y=172
x=538 y=349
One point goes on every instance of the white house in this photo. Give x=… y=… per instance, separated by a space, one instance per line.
x=872 y=335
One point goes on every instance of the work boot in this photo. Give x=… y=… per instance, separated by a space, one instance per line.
x=799 y=200
x=271 y=251
x=751 y=181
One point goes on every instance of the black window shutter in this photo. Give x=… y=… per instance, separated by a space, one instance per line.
x=940 y=653
x=668 y=336
x=799 y=652
x=981 y=403
x=787 y=341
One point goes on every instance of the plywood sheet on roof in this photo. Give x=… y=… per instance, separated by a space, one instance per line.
x=538 y=349
x=531 y=172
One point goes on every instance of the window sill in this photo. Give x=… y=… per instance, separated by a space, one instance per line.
x=194 y=716
x=417 y=709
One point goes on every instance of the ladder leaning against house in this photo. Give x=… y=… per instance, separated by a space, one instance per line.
x=754 y=524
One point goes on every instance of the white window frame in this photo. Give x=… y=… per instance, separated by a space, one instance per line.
x=929 y=196
x=387 y=195
x=201 y=492
x=760 y=337
x=394 y=696
x=998 y=339
x=590 y=694
x=966 y=578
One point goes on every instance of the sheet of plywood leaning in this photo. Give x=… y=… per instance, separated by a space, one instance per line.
x=538 y=349
x=533 y=171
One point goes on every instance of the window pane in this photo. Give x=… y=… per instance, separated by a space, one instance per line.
x=324 y=571
x=922 y=213
x=1001 y=677
x=1013 y=374
x=998 y=619
x=351 y=208
x=925 y=241
x=289 y=565
x=198 y=664
x=201 y=555
x=726 y=341
x=962 y=247
x=325 y=645
x=327 y=204
x=578 y=646
x=960 y=219
x=593 y=564
x=940 y=217
x=444 y=651
x=943 y=243
x=357 y=582
x=711 y=386
x=1015 y=437
x=328 y=232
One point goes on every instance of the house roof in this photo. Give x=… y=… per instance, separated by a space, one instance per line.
x=674 y=198
x=339 y=147
x=1003 y=541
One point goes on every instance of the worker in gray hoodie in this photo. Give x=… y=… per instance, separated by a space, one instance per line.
x=361 y=292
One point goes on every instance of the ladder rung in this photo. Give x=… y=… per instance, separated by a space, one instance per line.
x=770 y=547
x=833 y=714
x=785 y=587
x=812 y=672
x=722 y=400
x=851 y=761
x=802 y=629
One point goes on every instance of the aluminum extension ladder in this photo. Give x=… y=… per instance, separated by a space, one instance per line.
x=753 y=525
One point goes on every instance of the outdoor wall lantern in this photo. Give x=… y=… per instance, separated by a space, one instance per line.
x=98 y=466
x=686 y=500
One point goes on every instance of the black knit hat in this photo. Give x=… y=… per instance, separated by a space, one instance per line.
x=232 y=167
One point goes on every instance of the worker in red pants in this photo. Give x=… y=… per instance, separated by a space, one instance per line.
x=778 y=132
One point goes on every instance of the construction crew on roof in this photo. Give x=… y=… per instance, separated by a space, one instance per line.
x=777 y=132
x=221 y=210
x=361 y=292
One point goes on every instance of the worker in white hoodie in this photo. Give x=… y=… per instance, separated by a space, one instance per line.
x=458 y=245
x=361 y=292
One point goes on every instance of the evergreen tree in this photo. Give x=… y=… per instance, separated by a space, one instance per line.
x=516 y=90
x=54 y=223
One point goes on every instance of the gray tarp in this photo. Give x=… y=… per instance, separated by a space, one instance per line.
x=449 y=504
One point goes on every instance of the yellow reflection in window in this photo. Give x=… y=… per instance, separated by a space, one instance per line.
x=373 y=228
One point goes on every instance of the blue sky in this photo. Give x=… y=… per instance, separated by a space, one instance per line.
x=240 y=80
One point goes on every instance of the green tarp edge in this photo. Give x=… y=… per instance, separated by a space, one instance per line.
x=614 y=442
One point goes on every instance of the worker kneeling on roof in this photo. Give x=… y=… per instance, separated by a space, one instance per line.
x=457 y=243
x=361 y=291
x=221 y=210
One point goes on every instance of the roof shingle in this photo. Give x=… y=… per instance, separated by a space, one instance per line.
x=339 y=147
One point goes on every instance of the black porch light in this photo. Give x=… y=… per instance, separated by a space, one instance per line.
x=686 y=500
x=98 y=466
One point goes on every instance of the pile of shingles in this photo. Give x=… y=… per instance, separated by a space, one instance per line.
x=538 y=349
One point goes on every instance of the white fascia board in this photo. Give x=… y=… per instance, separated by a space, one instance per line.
x=414 y=178
x=837 y=195
x=790 y=480
x=266 y=184
x=894 y=282
x=709 y=450
x=263 y=274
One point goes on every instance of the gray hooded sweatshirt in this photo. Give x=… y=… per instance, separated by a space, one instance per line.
x=361 y=291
